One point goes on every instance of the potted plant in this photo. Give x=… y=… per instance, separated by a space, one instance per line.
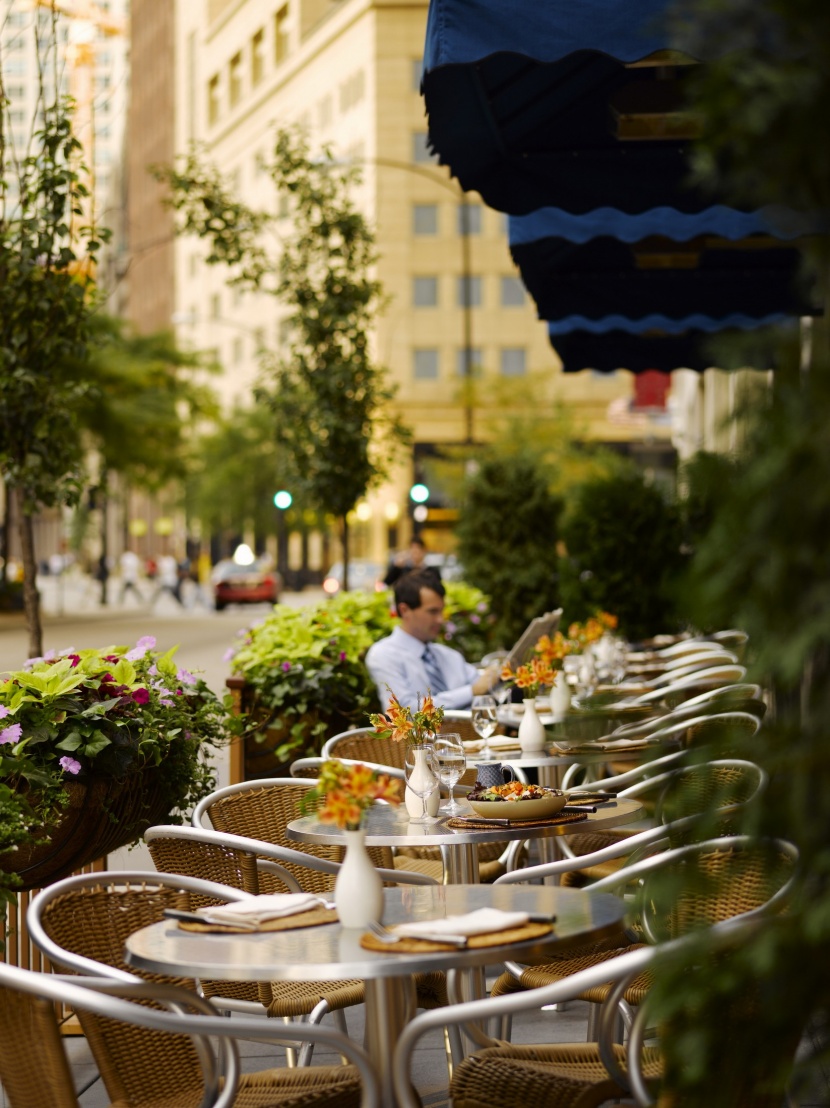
x=417 y=729
x=95 y=746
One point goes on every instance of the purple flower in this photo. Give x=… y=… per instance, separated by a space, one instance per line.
x=50 y=655
x=141 y=696
x=186 y=677
x=450 y=628
x=166 y=701
x=342 y=655
x=153 y=670
x=481 y=606
x=285 y=667
x=75 y=659
x=475 y=619
x=70 y=765
x=147 y=642
x=229 y=654
x=10 y=734
x=4 y=711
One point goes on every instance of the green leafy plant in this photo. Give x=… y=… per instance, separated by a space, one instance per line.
x=470 y=624
x=103 y=713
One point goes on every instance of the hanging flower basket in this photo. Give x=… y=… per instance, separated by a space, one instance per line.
x=102 y=815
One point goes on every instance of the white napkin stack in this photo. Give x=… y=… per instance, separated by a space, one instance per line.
x=481 y=922
x=259 y=909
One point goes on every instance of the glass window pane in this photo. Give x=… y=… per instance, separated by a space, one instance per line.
x=513 y=361
x=425 y=219
x=469 y=292
x=420 y=150
x=425 y=292
x=476 y=361
x=425 y=364
x=512 y=292
x=469 y=219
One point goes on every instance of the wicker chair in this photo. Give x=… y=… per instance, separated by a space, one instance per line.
x=191 y=1069
x=735 y=878
x=82 y=923
x=570 y=1075
x=263 y=809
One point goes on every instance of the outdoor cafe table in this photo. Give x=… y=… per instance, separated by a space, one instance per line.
x=331 y=952
x=390 y=826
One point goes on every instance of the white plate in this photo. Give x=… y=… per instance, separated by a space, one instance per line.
x=541 y=808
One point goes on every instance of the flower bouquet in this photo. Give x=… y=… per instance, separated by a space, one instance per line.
x=115 y=738
x=402 y=724
x=344 y=792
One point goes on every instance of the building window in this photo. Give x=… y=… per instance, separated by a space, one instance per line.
x=325 y=111
x=235 y=80
x=420 y=151
x=476 y=361
x=425 y=364
x=215 y=306
x=469 y=292
x=213 y=99
x=352 y=90
x=257 y=57
x=193 y=268
x=469 y=219
x=425 y=292
x=424 y=219
x=238 y=350
x=512 y=292
x=281 y=35
x=513 y=361
x=417 y=73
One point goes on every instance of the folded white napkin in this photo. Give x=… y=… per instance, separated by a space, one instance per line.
x=258 y=909
x=614 y=744
x=480 y=922
x=497 y=742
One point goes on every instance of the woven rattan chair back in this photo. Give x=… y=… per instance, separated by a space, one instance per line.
x=462 y=724
x=725 y=732
x=716 y=881
x=364 y=745
x=33 y=1066
x=262 y=810
x=138 y=1066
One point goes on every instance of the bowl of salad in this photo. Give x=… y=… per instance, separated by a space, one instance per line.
x=516 y=801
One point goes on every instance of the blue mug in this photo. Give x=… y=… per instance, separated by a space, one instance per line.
x=493 y=773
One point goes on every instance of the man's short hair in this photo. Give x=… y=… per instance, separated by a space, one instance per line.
x=408 y=588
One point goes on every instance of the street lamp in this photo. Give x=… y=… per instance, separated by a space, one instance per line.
x=282 y=502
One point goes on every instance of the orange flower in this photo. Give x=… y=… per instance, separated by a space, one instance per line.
x=402 y=723
x=347 y=791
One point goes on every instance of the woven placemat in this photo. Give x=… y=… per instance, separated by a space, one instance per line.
x=312 y=918
x=465 y=824
x=405 y=945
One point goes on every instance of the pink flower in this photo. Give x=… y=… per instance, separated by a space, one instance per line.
x=229 y=654
x=342 y=655
x=186 y=677
x=4 y=711
x=166 y=702
x=285 y=667
x=11 y=734
x=141 y=696
x=75 y=659
x=475 y=619
x=147 y=642
x=70 y=765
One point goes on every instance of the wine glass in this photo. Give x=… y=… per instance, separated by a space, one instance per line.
x=450 y=763
x=419 y=770
x=484 y=720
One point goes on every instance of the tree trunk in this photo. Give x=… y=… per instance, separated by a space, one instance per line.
x=345 y=522
x=31 y=597
x=104 y=563
x=8 y=518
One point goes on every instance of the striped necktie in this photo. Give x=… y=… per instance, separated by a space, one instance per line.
x=436 y=680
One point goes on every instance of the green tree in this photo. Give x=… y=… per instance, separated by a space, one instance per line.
x=46 y=307
x=507 y=535
x=329 y=399
x=623 y=554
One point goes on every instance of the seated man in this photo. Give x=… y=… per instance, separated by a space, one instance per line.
x=409 y=662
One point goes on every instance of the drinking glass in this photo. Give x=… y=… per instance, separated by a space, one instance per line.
x=419 y=770
x=484 y=720
x=450 y=763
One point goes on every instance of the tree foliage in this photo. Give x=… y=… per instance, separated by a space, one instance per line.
x=328 y=397
x=507 y=534
x=622 y=541
x=46 y=307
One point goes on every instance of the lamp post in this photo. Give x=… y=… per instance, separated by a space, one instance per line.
x=282 y=502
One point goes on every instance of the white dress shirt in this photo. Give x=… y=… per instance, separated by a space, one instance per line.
x=397 y=661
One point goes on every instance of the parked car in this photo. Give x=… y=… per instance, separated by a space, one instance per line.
x=362 y=575
x=240 y=584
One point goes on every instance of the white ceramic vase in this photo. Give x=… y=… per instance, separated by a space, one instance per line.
x=531 y=729
x=414 y=803
x=560 y=695
x=358 y=890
